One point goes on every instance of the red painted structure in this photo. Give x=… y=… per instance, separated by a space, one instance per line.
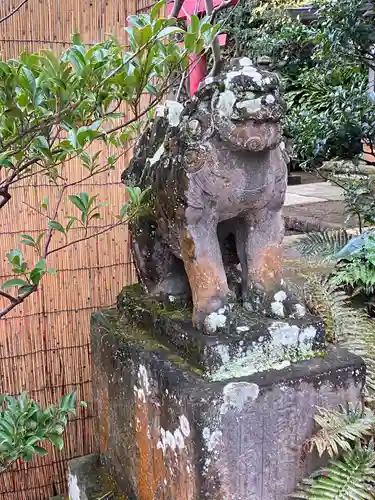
x=197 y=63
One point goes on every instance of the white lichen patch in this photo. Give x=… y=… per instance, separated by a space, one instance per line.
x=223 y=352
x=185 y=426
x=284 y=334
x=280 y=296
x=73 y=489
x=277 y=309
x=214 y=321
x=250 y=105
x=300 y=310
x=241 y=329
x=174 y=110
x=179 y=439
x=143 y=379
x=237 y=394
x=254 y=74
x=158 y=154
x=245 y=61
x=286 y=343
x=175 y=440
x=212 y=439
x=226 y=102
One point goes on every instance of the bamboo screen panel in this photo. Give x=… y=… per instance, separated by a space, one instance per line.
x=44 y=344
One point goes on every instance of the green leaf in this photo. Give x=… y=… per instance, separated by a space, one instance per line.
x=28 y=237
x=83 y=404
x=76 y=200
x=14 y=282
x=15 y=257
x=155 y=10
x=124 y=210
x=70 y=223
x=56 y=440
x=26 y=289
x=36 y=275
x=41 y=265
x=52 y=271
x=45 y=203
x=42 y=452
x=53 y=224
x=169 y=30
x=39 y=239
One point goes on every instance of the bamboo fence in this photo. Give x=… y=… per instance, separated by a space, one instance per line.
x=44 y=344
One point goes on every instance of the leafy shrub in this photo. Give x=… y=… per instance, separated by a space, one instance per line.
x=324 y=66
x=24 y=425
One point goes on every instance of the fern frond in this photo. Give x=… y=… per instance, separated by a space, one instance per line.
x=351 y=478
x=349 y=327
x=322 y=245
x=358 y=274
x=339 y=430
x=323 y=299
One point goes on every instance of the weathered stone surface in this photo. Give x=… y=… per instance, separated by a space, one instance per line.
x=88 y=480
x=238 y=341
x=169 y=431
x=218 y=177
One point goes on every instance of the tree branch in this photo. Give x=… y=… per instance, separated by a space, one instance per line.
x=13 y=11
x=18 y=301
x=50 y=231
x=177 y=6
x=5 y=196
x=85 y=238
x=216 y=10
x=9 y=297
x=216 y=52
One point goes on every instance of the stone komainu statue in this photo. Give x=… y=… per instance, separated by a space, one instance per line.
x=218 y=180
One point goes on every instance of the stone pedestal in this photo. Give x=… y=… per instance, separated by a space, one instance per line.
x=187 y=416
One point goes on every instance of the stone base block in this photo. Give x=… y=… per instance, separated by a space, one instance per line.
x=89 y=480
x=169 y=430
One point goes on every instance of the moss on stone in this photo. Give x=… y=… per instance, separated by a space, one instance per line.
x=133 y=298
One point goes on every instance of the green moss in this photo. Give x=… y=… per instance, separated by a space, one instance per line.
x=132 y=299
x=113 y=322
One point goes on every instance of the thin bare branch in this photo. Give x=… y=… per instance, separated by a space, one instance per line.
x=37 y=210
x=50 y=231
x=177 y=6
x=216 y=10
x=85 y=238
x=9 y=297
x=5 y=196
x=13 y=11
x=19 y=300
x=216 y=52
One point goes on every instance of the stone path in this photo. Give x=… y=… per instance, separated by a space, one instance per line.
x=314 y=207
x=310 y=207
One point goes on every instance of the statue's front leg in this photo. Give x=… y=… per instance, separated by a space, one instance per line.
x=260 y=239
x=203 y=262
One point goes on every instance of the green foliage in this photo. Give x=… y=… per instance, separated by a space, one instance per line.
x=24 y=426
x=340 y=430
x=324 y=65
x=348 y=326
x=57 y=108
x=359 y=193
x=351 y=477
x=322 y=245
x=358 y=274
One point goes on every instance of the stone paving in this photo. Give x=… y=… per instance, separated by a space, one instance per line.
x=315 y=207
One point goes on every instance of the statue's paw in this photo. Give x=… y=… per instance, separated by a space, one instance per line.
x=284 y=304
x=280 y=304
x=213 y=319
